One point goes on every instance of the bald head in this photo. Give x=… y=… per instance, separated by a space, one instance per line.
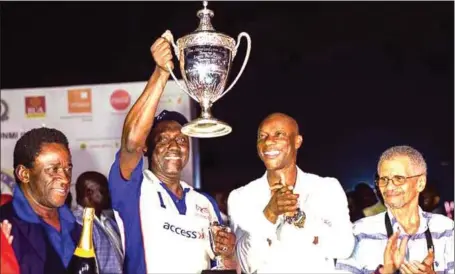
x=285 y=119
x=278 y=141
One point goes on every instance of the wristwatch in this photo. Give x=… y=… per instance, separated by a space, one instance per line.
x=300 y=218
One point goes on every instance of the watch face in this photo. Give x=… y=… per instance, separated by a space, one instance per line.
x=300 y=222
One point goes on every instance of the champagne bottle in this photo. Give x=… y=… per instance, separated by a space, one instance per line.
x=84 y=260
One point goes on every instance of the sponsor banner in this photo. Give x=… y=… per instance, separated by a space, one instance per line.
x=120 y=100
x=91 y=117
x=80 y=100
x=35 y=106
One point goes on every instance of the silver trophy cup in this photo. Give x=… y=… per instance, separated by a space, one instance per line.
x=205 y=57
x=213 y=230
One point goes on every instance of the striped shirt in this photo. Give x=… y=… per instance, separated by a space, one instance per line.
x=371 y=240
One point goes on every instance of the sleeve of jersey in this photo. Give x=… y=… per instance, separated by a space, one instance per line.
x=124 y=193
x=125 y=196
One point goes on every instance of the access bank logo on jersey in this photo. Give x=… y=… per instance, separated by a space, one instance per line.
x=35 y=106
x=120 y=100
x=191 y=234
x=80 y=100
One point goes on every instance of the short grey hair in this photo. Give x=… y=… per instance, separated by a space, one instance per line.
x=418 y=163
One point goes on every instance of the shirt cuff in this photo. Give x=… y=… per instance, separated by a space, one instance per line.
x=377 y=271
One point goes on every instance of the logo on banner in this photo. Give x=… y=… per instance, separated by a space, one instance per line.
x=12 y=135
x=96 y=144
x=80 y=100
x=35 y=106
x=120 y=99
x=4 y=110
x=8 y=181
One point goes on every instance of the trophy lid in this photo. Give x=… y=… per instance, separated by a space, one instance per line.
x=205 y=14
x=205 y=34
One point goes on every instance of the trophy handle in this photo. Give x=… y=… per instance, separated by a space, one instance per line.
x=180 y=85
x=170 y=38
x=245 y=61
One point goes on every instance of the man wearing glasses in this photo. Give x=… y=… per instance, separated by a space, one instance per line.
x=405 y=238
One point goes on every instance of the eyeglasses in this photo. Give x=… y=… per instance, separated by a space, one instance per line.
x=397 y=180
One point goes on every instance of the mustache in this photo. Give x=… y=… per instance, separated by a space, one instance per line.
x=392 y=193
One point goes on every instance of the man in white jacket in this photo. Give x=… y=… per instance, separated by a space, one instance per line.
x=318 y=231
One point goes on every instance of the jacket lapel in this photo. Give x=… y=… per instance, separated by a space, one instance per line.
x=76 y=233
x=34 y=234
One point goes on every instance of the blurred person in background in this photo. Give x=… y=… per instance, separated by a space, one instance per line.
x=367 y=201
x=92 y=191
x=221 y=198
x=430 y=200
x=354 y=212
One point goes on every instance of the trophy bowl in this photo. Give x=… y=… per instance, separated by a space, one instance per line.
x=205 y=59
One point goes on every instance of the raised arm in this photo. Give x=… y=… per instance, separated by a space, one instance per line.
x=140 y=118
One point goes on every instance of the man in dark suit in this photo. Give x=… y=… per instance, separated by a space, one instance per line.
x=45 y=231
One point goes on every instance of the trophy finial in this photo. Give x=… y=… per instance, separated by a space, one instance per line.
x=205 y=15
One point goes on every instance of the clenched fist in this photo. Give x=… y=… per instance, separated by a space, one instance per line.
x=282 y=201
x=162 y=53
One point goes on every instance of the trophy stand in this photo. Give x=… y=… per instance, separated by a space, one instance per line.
x=206 y=126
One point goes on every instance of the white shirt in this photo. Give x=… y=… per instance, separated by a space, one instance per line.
x=371 y=240
x=327 y=233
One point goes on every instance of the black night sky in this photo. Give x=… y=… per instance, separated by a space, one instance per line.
x=358 y=77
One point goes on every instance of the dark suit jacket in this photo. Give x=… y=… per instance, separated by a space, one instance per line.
x=34 y=252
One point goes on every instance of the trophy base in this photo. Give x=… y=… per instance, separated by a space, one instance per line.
x=206 y=128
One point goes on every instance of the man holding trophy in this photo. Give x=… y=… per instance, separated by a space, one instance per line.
x=282 y=220
x=167 y=226
x=165 y=223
